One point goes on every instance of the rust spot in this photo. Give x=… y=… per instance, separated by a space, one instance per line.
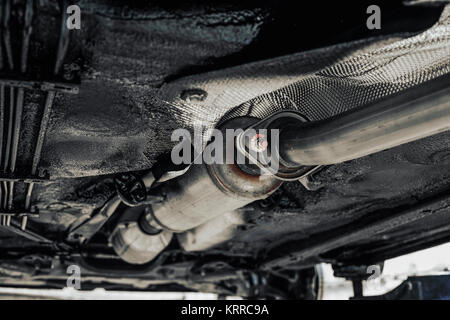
x=245 y=176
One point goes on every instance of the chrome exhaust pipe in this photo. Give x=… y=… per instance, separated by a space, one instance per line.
x=411 y=115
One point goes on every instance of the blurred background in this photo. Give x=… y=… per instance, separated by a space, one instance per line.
x=432 y=261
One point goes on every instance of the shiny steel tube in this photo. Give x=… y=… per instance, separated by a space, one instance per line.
x=414 y=114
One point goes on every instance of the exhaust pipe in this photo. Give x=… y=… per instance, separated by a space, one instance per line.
x=201 y=194
x=207 y=191
x=412 y=115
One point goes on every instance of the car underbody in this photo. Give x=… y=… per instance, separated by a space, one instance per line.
x=84 y=112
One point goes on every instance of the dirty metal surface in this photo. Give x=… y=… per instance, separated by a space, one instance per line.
x=128 y=62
